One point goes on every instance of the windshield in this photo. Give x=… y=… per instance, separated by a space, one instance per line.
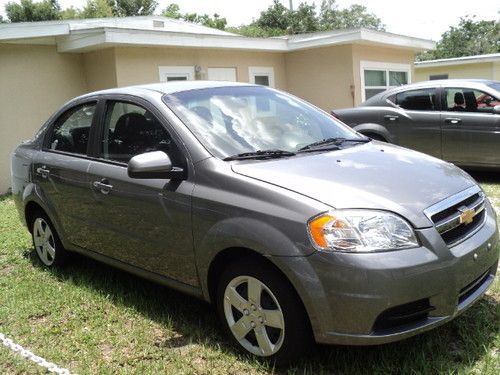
x=235 y=120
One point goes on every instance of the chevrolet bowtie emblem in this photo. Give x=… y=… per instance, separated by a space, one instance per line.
x=467 y=215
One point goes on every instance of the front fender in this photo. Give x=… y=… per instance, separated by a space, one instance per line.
x=241 y=232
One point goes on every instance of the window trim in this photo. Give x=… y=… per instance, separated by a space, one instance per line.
x=138 y=101
x=254 y=71
x=385 y=66
x=165 y=71
x=61 y=113
x=444 y=101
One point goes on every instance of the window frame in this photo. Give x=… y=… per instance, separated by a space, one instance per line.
x=165 y=71
x=437 y=106
x=444 y=99
x=268 y=71
x=62 y=112
x=381 y=66
x=134 y=100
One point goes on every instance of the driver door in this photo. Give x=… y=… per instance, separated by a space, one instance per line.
x=142 y=222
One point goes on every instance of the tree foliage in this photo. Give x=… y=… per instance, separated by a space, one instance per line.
x=305 y=18
x=29 y=11
x=469 y=38
x=125 y=8
x=97 y=9
x=215 y=21
x=356 y=16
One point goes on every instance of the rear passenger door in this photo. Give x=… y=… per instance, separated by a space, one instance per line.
x=471 y=131
x=60 y=170
x=142 y=222
x=418 y=124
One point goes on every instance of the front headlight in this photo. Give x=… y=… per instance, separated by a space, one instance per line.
x=361 y=231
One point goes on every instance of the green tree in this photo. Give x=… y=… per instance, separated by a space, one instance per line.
x=303 y=20
x=254 y=31
x=277 y=16
x=97 y=9
x=216 y=21
x=469 y=38
x=125 y=8
x=71 y=13
x=172 y=11
x=28 y=11
x=356 y=16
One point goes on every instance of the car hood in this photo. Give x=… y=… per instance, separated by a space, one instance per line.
x=373 y=175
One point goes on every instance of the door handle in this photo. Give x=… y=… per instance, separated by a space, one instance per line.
x=452 y=120
x=391 y=117
x=103 y=186
x=43 y=171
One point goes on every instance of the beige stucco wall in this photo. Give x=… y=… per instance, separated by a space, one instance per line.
x=496 y=71
x=478 y=71
x=100 y=69
x=140 y=65
x=34 y=82
x=377 y=54
x=322 y=76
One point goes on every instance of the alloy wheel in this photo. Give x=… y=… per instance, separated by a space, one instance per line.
x=254 y=316
x=44 y=241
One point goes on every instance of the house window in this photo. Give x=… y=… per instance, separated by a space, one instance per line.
x=222 y=74
x=176 y=73
x=433 y=77
x=261 y=75
x=377 y=77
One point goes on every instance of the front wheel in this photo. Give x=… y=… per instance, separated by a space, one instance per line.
x=262 y=313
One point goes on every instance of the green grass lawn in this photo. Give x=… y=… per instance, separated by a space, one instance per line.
x=93 y=319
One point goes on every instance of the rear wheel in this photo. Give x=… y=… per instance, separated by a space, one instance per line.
x=262 y=313
x=47 y=245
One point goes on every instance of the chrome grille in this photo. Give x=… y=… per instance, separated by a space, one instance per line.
x=460 y=216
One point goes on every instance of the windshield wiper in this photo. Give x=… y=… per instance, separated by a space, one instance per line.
x=328 y=143
x=260 y=154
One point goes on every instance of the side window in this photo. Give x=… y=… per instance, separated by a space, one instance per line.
x=131 y=130
x=71 y=131
x=419 y=100
x=469 y=100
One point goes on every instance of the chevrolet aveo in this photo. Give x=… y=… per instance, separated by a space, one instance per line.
x=296 y=227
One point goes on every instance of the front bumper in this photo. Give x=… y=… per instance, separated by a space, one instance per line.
x=348 y=295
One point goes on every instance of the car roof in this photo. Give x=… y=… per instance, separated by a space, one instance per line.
x=166 y=87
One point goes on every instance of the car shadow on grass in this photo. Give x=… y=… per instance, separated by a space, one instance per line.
x=454 y=347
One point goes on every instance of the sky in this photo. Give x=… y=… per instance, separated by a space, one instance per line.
x=418 y=18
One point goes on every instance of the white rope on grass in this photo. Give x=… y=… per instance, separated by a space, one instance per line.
x=51 y=367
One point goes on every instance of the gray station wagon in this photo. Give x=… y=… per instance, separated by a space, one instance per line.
x=455 y=120
x=296 y=227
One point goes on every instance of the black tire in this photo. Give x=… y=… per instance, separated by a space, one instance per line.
x=49 y=250
x=291 y=342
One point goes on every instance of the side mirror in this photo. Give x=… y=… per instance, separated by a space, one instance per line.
x=156 y=164
x=496 y=110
